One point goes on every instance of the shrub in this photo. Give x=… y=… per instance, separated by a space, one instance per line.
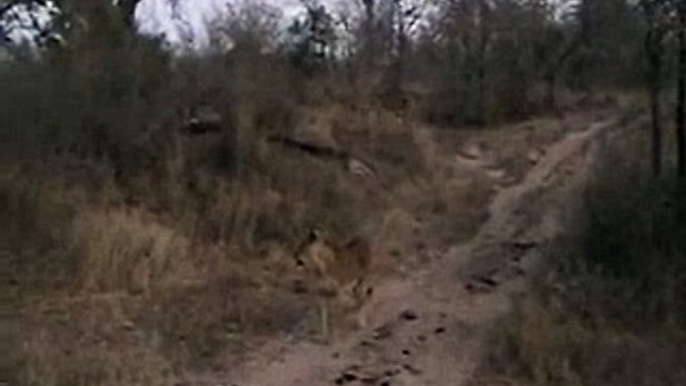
x=631 y=239
x=609 y=309
x=35 y=216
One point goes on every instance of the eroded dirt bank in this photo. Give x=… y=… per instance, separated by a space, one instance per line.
x=428 y=328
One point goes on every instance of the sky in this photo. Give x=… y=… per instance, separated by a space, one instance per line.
x=154 y=16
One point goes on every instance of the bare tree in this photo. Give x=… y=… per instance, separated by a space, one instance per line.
x=667 y=21
x=127 y=9
x=64 y=12
x=468 y=29
x=314 y=37
x=369 y=36
x=561 y=46
x=681 y=90
x=405 y=16
x=244 y=37
x=655 y=12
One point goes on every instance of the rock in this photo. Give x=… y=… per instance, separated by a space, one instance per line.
x=203 y=120
x=534 y=156
x=316 y=130
x=486 y=280
x=359 y=168
x=412 y=370
x=346 y=378
x=409 y=315
x=128 y=325
x=472 y=151
x=369 y=380
x=299 y=287
x=496 y=174
x=524 y=244
x=383 y=332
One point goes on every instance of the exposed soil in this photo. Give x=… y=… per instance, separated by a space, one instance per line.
x=457 y=246
x=428 y=327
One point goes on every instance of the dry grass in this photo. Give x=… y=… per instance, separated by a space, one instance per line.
x=608 y=308
x=87 y=342
x=127 y=250
x=172 y=271
x=142 y=259
x=146 y=303
x=461 y=206
x=138 y=254
x=547 y=343
x=185 y=267
x=35 y=224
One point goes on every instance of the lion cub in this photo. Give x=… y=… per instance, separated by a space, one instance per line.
x=340 y=274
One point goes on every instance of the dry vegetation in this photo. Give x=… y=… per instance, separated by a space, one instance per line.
x=137 y=262
x=608 y=307
x=151 y=200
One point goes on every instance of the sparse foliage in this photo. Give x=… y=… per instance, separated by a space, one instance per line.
x=146 y=176
x=313 y=38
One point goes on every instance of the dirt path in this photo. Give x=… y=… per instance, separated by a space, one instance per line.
x=429 y=329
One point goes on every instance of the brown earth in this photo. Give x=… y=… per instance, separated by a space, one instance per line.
x=456 y=246
x=429 y=326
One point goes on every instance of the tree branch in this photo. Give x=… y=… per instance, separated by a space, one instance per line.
x=128 y=11
x=7 y=7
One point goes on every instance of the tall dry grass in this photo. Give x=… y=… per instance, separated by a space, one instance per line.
x=139 y=253
x=126 y=250
x=608 y=309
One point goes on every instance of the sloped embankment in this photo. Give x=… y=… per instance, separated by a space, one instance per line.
x=430 y=327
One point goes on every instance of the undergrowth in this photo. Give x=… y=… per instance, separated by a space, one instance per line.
x=609 y=309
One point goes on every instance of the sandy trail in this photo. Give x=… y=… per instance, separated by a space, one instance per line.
x=430 y=328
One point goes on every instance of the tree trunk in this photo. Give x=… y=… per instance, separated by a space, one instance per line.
x=681 y=98
x=483 y=42
x=402 y=52
x=481 y=89
x=370 y=39
x=654 y=50
x=552 y=74
x=128 y=12
x=550 y=80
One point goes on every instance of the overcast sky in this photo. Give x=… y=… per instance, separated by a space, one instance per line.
x=154 y=16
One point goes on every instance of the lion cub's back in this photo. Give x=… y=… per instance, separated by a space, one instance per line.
x=353 y=261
